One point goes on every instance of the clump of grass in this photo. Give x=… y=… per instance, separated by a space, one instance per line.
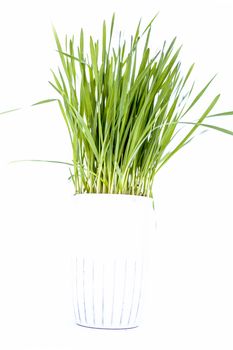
x=124 y=109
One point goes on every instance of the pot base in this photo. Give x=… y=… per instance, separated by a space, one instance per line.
x=107 y=328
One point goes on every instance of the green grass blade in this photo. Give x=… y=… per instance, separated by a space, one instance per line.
x=10 y=111
x=45 y=101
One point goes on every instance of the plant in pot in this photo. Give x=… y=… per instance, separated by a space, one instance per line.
x=127 y=112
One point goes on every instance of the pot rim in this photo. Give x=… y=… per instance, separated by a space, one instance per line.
x=112 y=195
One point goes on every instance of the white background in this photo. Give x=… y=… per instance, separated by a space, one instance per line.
x=189 y=302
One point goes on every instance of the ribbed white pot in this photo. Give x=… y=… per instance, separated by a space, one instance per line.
x=110 y=250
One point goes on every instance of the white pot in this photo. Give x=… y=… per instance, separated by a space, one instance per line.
x=110 y=249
